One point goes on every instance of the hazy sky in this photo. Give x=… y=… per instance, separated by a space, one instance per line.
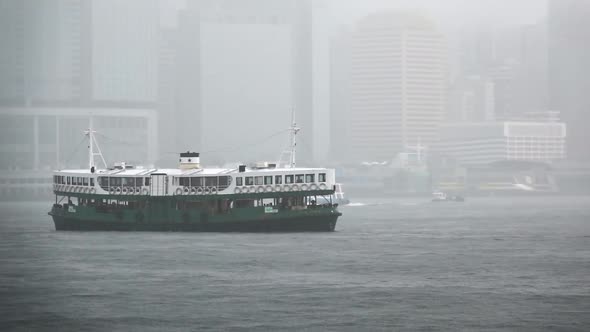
x=448 y=11
x=459 y=11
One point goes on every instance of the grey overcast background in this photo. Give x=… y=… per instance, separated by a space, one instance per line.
x=458 y=11
x=223 y=77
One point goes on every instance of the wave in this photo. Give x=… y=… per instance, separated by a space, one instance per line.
x=357 y=204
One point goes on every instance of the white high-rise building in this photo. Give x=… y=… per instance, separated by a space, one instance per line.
x=398 y=84
x=253 y=63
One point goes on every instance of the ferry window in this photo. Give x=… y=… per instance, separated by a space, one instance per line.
x=115 y=181
x=103 y=181
x=258 y=180
x=197 y=182
x=249 y=181
x=211 y=181
x=147 y=181
x=138 y=182
x=278 y=179
x=85 y=181
x=68 y=179
x=322 y=177
x=309 y=178
x=224 y=181
x=268 y=179
x=288 y=179
x=61 y=179
x=130 y=182
x=299 y=178
x=238 y=181
x=184 y=182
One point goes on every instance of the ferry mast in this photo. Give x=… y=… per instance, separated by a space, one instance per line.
x=291 y=150
x=91 y=142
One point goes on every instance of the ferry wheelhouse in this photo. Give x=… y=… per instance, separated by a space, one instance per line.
x=259 y=197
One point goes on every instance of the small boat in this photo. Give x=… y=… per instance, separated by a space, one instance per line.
x=440 y=196
x=337 y=198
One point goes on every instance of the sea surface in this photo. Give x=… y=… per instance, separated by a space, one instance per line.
x=392 y=265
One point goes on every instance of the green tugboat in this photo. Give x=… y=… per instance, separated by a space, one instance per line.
x=263 y=197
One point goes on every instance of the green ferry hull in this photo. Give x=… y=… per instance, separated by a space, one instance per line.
x=294 y=224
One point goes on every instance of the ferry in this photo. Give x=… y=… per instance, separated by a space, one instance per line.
x=262 y=197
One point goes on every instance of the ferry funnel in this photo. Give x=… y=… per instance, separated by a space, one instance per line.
x=189 y=160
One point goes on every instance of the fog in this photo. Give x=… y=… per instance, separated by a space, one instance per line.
x=373 y=165
x=367 y=82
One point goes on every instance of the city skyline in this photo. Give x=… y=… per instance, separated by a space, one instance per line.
x=495 y=71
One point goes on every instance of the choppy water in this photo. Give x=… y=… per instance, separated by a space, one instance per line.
x=487 y=264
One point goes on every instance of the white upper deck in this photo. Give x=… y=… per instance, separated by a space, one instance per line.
x=171 y=181
x=140 y=171
x=190 y=178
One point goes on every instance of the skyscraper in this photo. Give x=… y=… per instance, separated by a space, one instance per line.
x=569 y=71
x=41 y=57
x=340 y=70
x=78 y=53
x=243 y=68
x=398 y=84
x=124 y=51
x=64 y=60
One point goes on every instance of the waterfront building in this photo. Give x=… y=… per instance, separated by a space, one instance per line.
x=398 y=84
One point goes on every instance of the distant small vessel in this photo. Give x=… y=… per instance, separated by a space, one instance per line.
x=439 y=196
x=337 y=198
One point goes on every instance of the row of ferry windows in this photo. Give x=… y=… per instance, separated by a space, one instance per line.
x=73 y=180
x=205 y=181
x=278 y=179
x=113 y=181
